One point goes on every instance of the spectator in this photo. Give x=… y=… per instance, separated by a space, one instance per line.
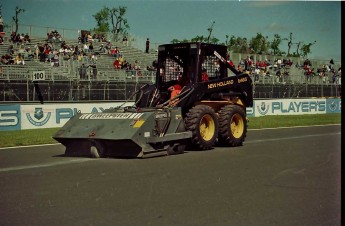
x=10 y=50
x=86 y=48
x=19 y=59
x=27 y=38
x=76 y=50
x=82 y=71
x=21 y=50
x=231 y=63
x=204 y=75
x=28 y=53
x=117 y=64
x=37 y=50
x=125 y=41
x=17 y=39
x=147 y=45
x=5 y=59
x=93 y=58
x=239 y=68
x=56 y=60
x=278 y=76
x=91 y=47
x=80 y=57
x=89 y=38
x=94 y=71
x=13 y=37
x=256 y=75
x=102 y=49
x=1 y=24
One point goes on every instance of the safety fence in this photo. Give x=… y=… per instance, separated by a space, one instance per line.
x=23 y=90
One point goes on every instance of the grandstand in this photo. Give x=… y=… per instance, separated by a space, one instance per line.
x=102 y=82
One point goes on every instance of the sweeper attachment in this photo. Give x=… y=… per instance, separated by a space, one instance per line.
x=193 y=103
x=125 y=133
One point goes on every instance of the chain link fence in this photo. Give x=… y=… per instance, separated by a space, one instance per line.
x=96 y=90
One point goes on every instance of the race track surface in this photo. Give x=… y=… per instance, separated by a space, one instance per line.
x=278 y=177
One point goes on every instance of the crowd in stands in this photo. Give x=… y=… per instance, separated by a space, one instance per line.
x=280 y=68
x=264 y=68
x=54 y=36
x=20 y=38
x=54 y=50
x=327 y=73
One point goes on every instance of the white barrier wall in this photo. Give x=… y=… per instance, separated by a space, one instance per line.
x=36 y=116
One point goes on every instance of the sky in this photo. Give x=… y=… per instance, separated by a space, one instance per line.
x=165 y=20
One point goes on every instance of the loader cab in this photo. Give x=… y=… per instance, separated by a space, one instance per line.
x=181 y=67
x=183 y=63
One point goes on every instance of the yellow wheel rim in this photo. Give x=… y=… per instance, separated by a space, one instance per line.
x=237 y=126
x=207 y=127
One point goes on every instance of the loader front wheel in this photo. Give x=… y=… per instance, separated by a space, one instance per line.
x=202 y=121
x=232 y=125
x=97 y=151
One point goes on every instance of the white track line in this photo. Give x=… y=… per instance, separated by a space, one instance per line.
x=291 y=138
x=44 y=165
x=293 y=127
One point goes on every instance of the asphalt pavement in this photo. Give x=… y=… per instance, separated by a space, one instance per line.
x=288 y=176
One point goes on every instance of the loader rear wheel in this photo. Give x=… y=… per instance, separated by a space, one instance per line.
x=202 y=121
x=232 y=125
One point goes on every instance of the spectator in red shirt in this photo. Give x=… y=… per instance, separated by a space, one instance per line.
x=117 y=64
x=204 y=75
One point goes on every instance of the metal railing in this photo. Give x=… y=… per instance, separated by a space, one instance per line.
x=21 y=89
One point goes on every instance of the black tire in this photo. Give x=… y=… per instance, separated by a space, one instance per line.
x=232 y=126
x=97 y=150
x=202 y=121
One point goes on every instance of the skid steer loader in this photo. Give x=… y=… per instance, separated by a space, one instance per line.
x=204 y=113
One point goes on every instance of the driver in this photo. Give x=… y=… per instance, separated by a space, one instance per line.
x=175 y=90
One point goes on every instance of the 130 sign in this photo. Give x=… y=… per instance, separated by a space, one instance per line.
x=38 y=75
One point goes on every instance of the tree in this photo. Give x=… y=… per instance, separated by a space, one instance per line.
x=237 y=45
x=101 y=18
x=210 y=29
x=16 y=19
x=289 y=44
x=258 y=44
x=175 y=40
x=298 y=45
x=214 y=40
x=198 y=39
x=275 y=44
x=118 y=21
x=113 y=16
x=305 y=49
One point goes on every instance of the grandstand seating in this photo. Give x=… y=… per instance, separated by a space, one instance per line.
x=63 y=82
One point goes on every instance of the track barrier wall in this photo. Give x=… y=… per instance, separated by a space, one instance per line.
x=52 y=115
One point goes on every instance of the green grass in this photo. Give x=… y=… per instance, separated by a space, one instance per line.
x=43 y=136
x=274 y=121
x=27 y=137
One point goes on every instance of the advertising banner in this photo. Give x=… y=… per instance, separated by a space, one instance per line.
x=56 y=115
x=333 y=105
x=10 y=117
x=36 y=116
x=289 y=107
